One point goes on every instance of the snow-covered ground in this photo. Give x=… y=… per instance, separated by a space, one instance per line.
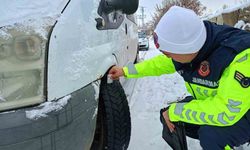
x=149 y=96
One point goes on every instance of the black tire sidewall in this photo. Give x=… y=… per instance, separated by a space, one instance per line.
x=114 y=120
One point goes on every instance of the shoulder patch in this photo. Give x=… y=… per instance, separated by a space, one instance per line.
x=244 y=81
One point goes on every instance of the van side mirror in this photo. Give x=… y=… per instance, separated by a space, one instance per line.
x=126 y=6
x=112 y=12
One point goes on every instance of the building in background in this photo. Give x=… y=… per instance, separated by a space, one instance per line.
x=237 y=16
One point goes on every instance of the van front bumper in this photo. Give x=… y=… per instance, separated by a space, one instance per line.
x=71 y=128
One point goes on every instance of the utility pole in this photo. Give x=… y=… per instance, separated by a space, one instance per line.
x=142 y=16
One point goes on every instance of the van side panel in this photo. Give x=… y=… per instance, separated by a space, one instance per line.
x=78 y=52
x=132 y=37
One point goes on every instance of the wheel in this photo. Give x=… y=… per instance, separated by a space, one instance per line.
x=113 y=129
x=137 y=58
x=147 y=47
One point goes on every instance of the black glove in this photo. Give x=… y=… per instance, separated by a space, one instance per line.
x=176 y=139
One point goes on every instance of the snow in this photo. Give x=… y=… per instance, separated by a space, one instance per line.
x=95 y=113
x=77 y=65
x=46 y=108
x=242 y=25
x=29 y=16
x=96 y=86
x=4 y=34
x=226 y=9
x=149 y=96
x=13 y=11
x=236 y=7
x=239 y=24
x=247 y=25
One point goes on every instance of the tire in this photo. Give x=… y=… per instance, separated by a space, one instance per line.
x=147 y=47
x=137 y=57
x=113 y=129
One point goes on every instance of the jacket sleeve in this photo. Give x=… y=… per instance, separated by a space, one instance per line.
x=153 y=67
x=224 y=109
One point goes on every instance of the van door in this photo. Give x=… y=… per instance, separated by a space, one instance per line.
x=124 y=41
x=132 y=37
x=117 y=38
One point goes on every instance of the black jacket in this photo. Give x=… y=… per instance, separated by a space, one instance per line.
x=223 y=43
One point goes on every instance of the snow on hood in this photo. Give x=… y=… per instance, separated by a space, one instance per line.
x=16 y=11
x=228 y=9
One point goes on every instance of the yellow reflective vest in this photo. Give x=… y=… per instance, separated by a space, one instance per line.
x=221 y=106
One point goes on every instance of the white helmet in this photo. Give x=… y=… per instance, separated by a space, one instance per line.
x=180 y=31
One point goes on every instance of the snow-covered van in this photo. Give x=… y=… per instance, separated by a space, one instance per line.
x=54 y=59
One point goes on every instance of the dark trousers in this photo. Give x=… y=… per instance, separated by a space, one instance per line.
x=216 y=138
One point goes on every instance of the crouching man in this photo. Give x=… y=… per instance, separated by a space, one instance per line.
x=214 y=61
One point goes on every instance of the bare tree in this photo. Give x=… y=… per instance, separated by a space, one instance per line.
x=162 y=9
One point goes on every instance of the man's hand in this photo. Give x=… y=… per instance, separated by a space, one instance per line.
x=168 y=122
x=116 y=72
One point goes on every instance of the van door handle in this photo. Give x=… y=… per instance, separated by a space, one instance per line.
x=126 y=29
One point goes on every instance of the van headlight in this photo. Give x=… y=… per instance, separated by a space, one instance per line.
x=28 y=47
x=22 y=63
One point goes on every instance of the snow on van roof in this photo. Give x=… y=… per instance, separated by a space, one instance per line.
x=228 y=9
x=15 y=11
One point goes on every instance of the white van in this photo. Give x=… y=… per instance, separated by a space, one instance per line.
x=54 y=59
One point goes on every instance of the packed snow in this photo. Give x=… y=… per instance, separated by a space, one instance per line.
x=77 y=66
x=226 y=9
x=13 y=11
x=242 y=25
x=242 y=5
x=149 y=96
x=47 y=107
x=31 y=17
x=96 y=86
